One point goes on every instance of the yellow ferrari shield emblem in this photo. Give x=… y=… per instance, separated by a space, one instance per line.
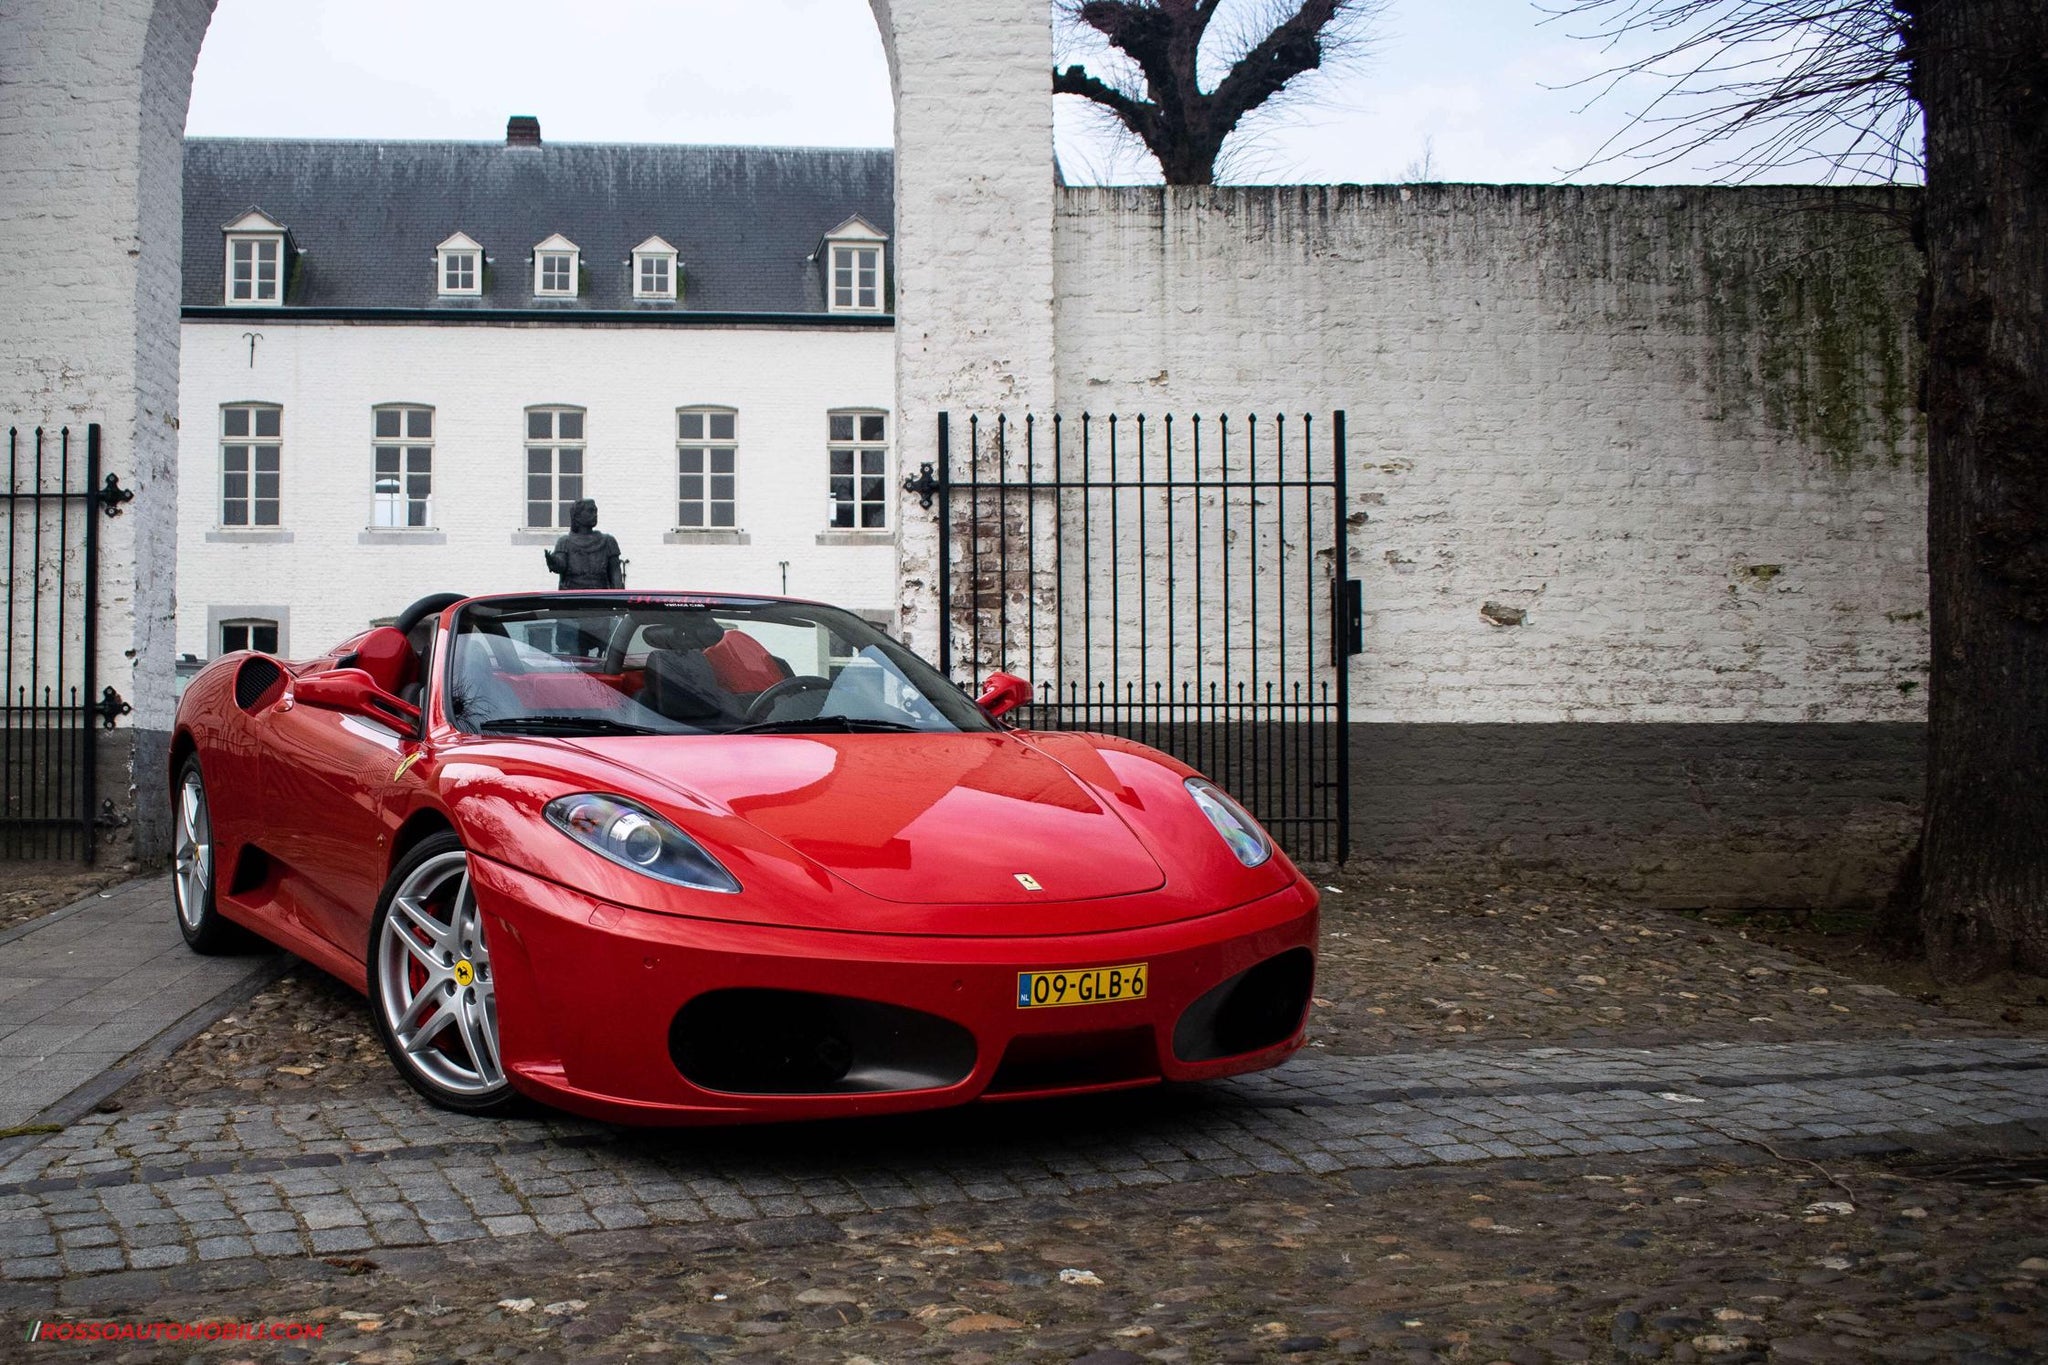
x=464 y=973
x=405 y=764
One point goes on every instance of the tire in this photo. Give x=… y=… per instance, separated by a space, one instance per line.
x=193 y=869
x=432 y=998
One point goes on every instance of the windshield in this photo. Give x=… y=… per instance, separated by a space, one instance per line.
x=683 y=666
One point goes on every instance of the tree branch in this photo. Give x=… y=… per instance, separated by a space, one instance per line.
x=1136 y=114
x=1292 y=48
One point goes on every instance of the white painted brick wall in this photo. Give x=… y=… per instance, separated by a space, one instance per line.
x=974 y=211
x=479 y=380
x=1624 y=411
x=1572 y=401
x=92 y=113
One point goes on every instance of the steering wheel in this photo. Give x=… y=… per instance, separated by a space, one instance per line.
x=425 y=607
x=765 y=704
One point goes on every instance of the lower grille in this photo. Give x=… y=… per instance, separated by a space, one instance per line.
x=1060 y=1061
x=769 y=1042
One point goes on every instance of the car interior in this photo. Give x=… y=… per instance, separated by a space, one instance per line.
x=664 y=669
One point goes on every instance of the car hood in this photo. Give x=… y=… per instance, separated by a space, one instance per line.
x=924 y=819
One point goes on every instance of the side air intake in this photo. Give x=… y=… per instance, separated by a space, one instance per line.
x=257 y=682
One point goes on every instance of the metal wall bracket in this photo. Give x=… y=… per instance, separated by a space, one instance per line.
x=1347 y=619
x=112 y=495
x=110 y=705
x=925 y=485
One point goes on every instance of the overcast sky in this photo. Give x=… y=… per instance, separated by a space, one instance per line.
x=1469 y=79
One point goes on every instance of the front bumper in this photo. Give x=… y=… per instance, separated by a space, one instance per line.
x=588 y=992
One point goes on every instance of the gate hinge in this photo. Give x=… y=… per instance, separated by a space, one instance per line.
x=924 y=485
x=109 y=706
x=111 y=496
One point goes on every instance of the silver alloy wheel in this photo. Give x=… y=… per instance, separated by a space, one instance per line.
x=192 y=868
x=434 y=978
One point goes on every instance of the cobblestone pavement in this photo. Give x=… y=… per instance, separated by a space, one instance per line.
x=1872 y=1187
x=117 y=1192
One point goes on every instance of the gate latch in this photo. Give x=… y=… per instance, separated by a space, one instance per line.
x=109 y=706
x=111 y=496
x=924 y=485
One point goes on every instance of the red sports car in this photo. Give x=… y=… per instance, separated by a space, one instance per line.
x=664 y=858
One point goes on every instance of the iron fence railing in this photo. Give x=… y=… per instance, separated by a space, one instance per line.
x=1179 y=582
x=53 y=708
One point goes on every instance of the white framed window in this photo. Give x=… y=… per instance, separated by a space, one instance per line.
x=252 y=633
x=554 y=465
x=402 y=465
x=856 y=279
x=255 y=265
x=707 y=451
x=555 y=264
x=459 y=267
x=856 y=268
x=251 y=451
x=256 y=258
x=858 y=454
x=654 y=270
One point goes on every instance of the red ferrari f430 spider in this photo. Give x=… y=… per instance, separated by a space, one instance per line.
x=671 y=858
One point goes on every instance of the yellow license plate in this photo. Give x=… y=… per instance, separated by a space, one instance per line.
x=1088 y=986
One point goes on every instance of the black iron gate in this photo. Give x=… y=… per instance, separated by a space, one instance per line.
x=1180 y=582
x=49 y=800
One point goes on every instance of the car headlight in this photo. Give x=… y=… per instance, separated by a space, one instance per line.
x=1232 y=821
x=632 y=837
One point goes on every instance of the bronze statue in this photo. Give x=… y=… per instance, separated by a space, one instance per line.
x=586 y=557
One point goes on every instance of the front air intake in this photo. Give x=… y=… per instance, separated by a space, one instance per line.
x=1258 y=1008
x=257 y=682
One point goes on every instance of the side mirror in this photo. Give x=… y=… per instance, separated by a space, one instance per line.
x=1003 y=693
x=355 y=693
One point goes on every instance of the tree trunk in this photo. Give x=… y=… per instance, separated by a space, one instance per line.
x=1980 y=71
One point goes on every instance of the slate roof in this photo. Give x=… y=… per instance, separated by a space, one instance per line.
x=368 y=215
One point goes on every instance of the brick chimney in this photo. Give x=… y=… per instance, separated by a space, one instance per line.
x=522 y=130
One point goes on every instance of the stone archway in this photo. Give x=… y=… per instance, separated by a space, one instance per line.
x=92 y=117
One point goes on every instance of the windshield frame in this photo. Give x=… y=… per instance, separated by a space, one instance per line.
x=959 y=711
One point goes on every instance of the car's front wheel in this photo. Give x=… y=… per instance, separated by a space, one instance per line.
x=206 y=930
x=432 y=995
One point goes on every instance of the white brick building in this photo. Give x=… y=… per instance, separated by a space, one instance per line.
x=378 y=403
x=1636 y=481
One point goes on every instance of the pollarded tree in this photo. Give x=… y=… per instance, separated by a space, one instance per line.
x=1853 y=81
x=1158 y=96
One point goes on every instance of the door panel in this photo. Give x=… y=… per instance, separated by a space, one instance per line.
x=331 y=779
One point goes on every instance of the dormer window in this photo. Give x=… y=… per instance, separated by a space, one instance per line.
x=256 y=245
x=555 y=268
x=459 y=267
x=654 y=270
x=855 y=268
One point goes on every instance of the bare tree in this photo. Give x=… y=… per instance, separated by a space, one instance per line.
x=1422 y=170
x=1165 y=49
x=1763 y=85
x=1853 y=80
